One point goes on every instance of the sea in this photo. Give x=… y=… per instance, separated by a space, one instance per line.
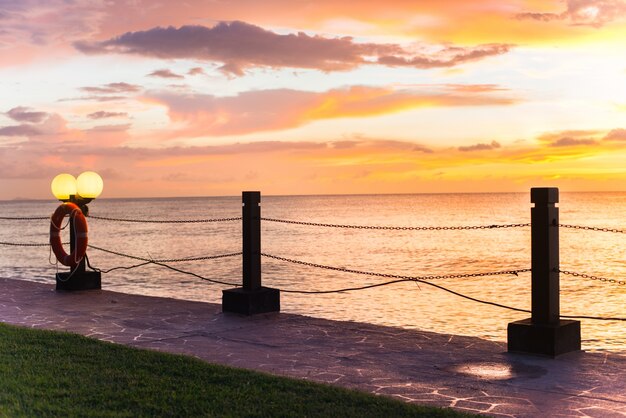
x=414 y=253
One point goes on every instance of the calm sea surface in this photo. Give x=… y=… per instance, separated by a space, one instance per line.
x=414 y=253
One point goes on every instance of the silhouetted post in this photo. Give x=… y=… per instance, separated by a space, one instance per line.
x=252 y=298
x=544 y=332
x=251 y=216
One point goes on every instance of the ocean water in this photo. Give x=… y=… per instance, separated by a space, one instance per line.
x=412 y=253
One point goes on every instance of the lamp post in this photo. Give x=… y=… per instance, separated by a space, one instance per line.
x=79 y=192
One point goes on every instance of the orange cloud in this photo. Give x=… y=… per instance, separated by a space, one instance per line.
x=353 y=165
x=266 y=110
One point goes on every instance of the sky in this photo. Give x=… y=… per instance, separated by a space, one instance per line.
x=213 y=97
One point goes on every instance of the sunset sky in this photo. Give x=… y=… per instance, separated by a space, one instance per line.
x=212 y=97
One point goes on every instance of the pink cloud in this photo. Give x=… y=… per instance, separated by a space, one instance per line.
x=19 y=130
x=107 y=92
x=102 y=114
x=594 y=13
x=165 y=73
x=46 y=124
x=111 y=128
x=112 y=88
x=572 y=142
x=238 y=45
x=43 y=22
x=616 y=135
x=446 y=57
x=196 y=71
x=23 y=114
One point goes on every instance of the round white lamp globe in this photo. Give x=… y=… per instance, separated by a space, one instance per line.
x=63 y=186
x=89 y=185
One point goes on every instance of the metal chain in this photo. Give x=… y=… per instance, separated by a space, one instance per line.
x=594 y=228
x=164 y=221
x=396 y=276
x=18 y=244
x=23 y=218
x=589 y=276
x=173 y=260
x=398 y=228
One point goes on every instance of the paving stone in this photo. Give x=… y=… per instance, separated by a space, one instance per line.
x=461 y=372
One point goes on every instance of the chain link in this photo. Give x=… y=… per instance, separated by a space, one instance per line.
x=592 y=277
x=594 y=228
x=398 y=228
x=165 y=221
x=24 y=218
x=396 y=276
x=173 y=260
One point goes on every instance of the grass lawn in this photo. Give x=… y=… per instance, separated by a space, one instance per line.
x=44 y=373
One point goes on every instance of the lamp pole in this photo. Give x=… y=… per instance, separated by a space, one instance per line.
x=80 y=192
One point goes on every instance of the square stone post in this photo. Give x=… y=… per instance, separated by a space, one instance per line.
x=544 y=332
x=252 y=298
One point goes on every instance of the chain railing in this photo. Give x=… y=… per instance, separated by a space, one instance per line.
x=593 y=228
x=592 y=277
x=166 y=221
x=168 y=260
x=24 y=244
x=397 y=276
x=398 y=228
x=24 y=218
x=251 y=254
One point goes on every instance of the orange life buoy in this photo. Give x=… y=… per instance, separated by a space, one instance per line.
x=80 y=228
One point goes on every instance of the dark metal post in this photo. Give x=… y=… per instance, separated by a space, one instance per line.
x=252 y=298
x=544 y=332
x=251 y=223
x=545 y=255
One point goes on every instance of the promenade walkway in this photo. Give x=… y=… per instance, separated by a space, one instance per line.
x=465 y=373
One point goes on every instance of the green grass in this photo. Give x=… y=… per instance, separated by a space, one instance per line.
x=44 y=373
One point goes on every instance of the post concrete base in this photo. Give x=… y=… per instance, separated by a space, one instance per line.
x=251 y=302
x=84 y=280
x=545 y=339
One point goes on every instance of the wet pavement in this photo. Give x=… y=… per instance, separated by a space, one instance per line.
x=464 y=373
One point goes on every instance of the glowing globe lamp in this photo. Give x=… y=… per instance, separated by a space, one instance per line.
x=63 y=186
x=89 y=185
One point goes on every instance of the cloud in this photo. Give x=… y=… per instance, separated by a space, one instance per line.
x=386 y=144
x=572 y=142
x=480 y=147
x=50 y=124
x=107 y=92
x=595 y=13
x=238 y=46
x=113 y=88
x=446 y=57
x=23 y=114
x=45 y=22
x=165 y=74
x=104 y=114
x=196 y=71
x=275 y=109
x=111 y=128
x=19 y=130
x=616 y=135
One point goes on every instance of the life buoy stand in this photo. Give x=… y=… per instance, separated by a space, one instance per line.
x=79 y=223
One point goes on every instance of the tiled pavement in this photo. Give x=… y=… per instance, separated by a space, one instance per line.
x=461 y=372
